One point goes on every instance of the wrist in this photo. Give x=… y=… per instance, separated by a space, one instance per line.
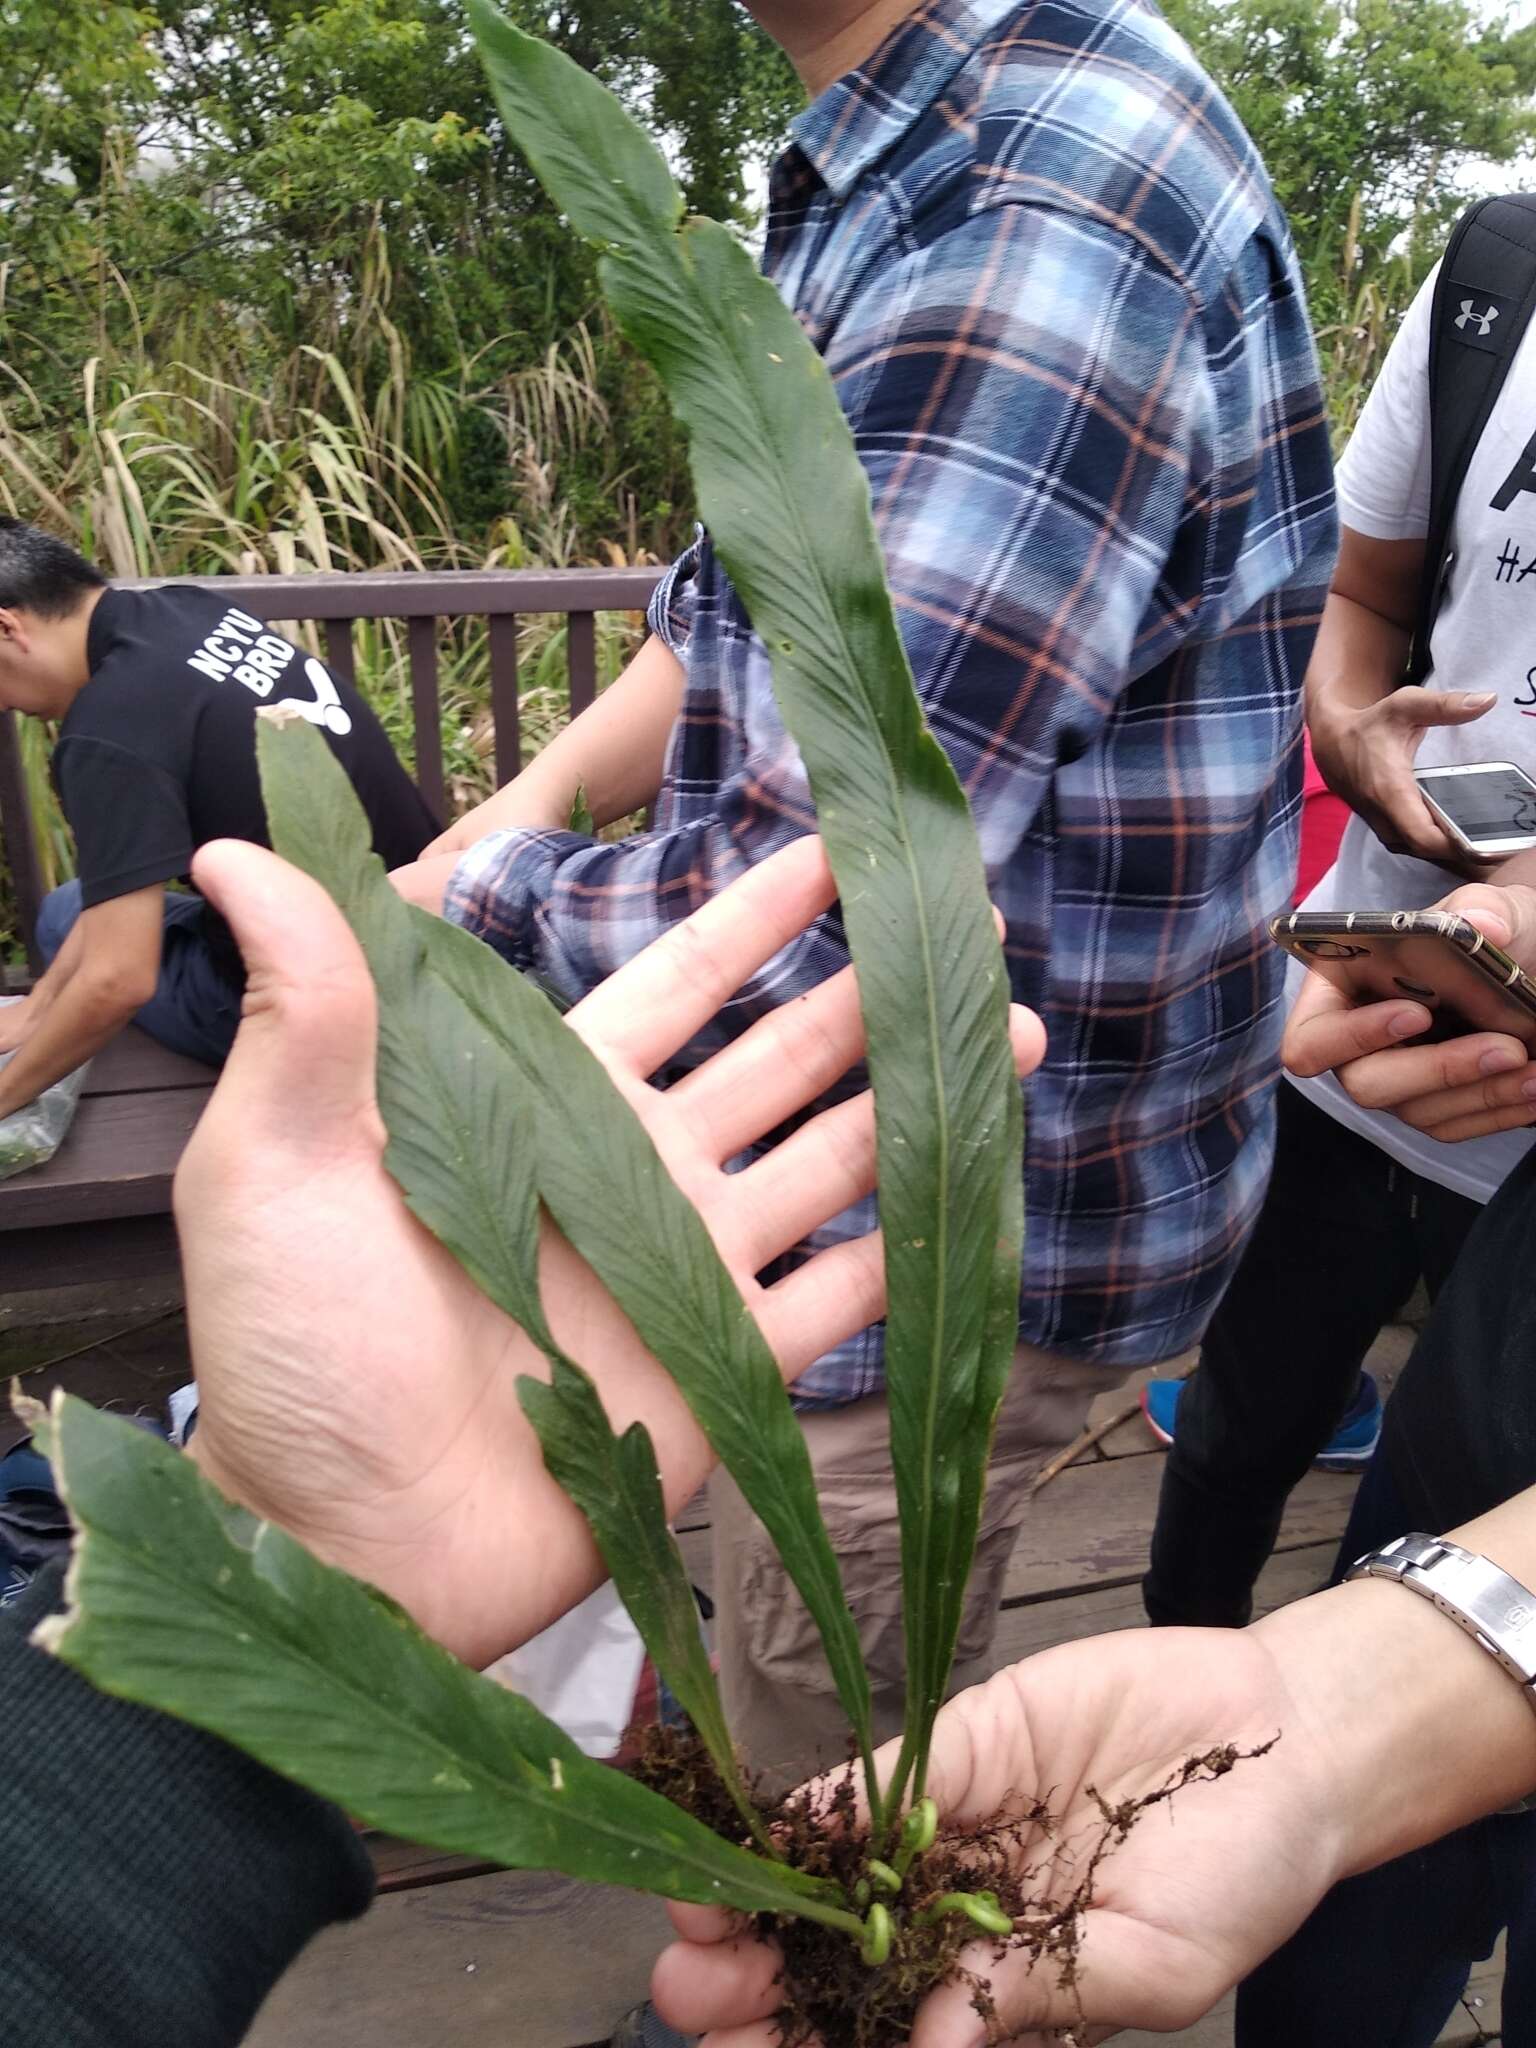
x=1337 y=698
x=1408 y=1729
x=538 y=799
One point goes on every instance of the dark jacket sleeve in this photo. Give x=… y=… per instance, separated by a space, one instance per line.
x=154 y=1882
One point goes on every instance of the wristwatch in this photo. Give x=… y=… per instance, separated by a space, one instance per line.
x=1495 y=1610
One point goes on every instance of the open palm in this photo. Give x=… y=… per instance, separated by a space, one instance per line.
x=356 y=1386
x=1203 y=1887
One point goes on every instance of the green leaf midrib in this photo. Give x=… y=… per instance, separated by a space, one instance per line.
x=791 y=501
x=529 y=1310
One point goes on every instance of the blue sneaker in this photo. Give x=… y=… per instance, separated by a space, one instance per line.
x=1350 y=1446
x=1358 y=1433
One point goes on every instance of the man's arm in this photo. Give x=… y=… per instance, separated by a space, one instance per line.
x=19 y=1020
x=117 y=961
x=613 y=754
x=1365 y=729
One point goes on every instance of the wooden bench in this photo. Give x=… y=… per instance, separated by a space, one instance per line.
x=100 y=1210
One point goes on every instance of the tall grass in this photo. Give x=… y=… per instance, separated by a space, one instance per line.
x=1358 y=309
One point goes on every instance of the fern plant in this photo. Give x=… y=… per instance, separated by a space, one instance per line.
x=493 y=1107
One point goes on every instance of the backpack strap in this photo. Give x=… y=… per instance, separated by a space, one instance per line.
x=1484 y=297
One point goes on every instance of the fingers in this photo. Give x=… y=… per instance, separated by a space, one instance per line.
x=1456 y=1065
x=1029 y=1039
x=667 y=994
x=303 y=1056
x=1504 y=913
x=1396 y=808
x=1417 y=706
x=792 y=1056
x=1506 y=1102
x=1471 y=1121
x=1404 y=823
x=1326 y=1030
x=823 y=1303
x=830 y=1163
x=816 y=1173
x=728 y=1983
x=786 y=1060
x=703 y=1924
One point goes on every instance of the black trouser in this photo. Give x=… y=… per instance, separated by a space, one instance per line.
x=1342 y=1238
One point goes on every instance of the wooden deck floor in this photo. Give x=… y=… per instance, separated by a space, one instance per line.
x=512 y=1961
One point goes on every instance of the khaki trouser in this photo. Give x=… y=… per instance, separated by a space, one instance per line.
x=773 y=1674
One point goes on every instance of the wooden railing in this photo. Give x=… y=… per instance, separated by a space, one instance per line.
x=499 y=596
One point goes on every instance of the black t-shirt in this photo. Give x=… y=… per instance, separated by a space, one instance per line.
x=1461 y=1425
x=158 y=752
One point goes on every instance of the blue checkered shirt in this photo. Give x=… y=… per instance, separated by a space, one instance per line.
x=1062 y=309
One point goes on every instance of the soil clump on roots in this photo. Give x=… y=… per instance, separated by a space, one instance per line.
x=830 y=1993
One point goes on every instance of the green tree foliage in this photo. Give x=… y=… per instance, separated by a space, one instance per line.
x=233 y=185
x=1368 y=114
x=268 y=191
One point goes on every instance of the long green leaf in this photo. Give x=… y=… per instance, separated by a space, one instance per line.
x=461 y=1146
x=455 y=1110
x=188 y=1604
x=787 y=506
x=614 y=1481
x=591 y=1160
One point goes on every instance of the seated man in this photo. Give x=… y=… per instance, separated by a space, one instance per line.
x=156 y=692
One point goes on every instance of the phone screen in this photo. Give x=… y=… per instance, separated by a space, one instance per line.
x=1495 y=803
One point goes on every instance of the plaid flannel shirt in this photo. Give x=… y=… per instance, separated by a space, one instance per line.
x=1062 y=310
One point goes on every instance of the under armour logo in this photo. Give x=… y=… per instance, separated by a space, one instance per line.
x=1470 y=317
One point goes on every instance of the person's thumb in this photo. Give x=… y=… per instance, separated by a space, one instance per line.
x=1418 y=707
x=302 y=1066
x=1506 y=915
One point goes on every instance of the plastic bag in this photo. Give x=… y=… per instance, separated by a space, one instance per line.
x=582 y=1671
x=33 y=1133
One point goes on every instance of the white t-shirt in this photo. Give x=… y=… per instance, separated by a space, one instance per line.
x=1484 y=639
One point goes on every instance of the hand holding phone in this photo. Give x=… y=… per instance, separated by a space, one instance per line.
x=1487 y=808
x=1362 y=1014
x=1434 y=957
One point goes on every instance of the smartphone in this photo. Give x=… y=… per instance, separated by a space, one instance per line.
x=1436 y=957
x=1488 y=807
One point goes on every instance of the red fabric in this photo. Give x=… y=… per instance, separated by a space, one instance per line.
x=1323 y=818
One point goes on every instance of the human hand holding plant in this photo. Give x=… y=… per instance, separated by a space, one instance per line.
x=1182 y=1908
x=367 y=1401
x=1393 y=1731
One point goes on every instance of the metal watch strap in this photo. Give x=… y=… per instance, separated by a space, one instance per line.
x=1494 y=1609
